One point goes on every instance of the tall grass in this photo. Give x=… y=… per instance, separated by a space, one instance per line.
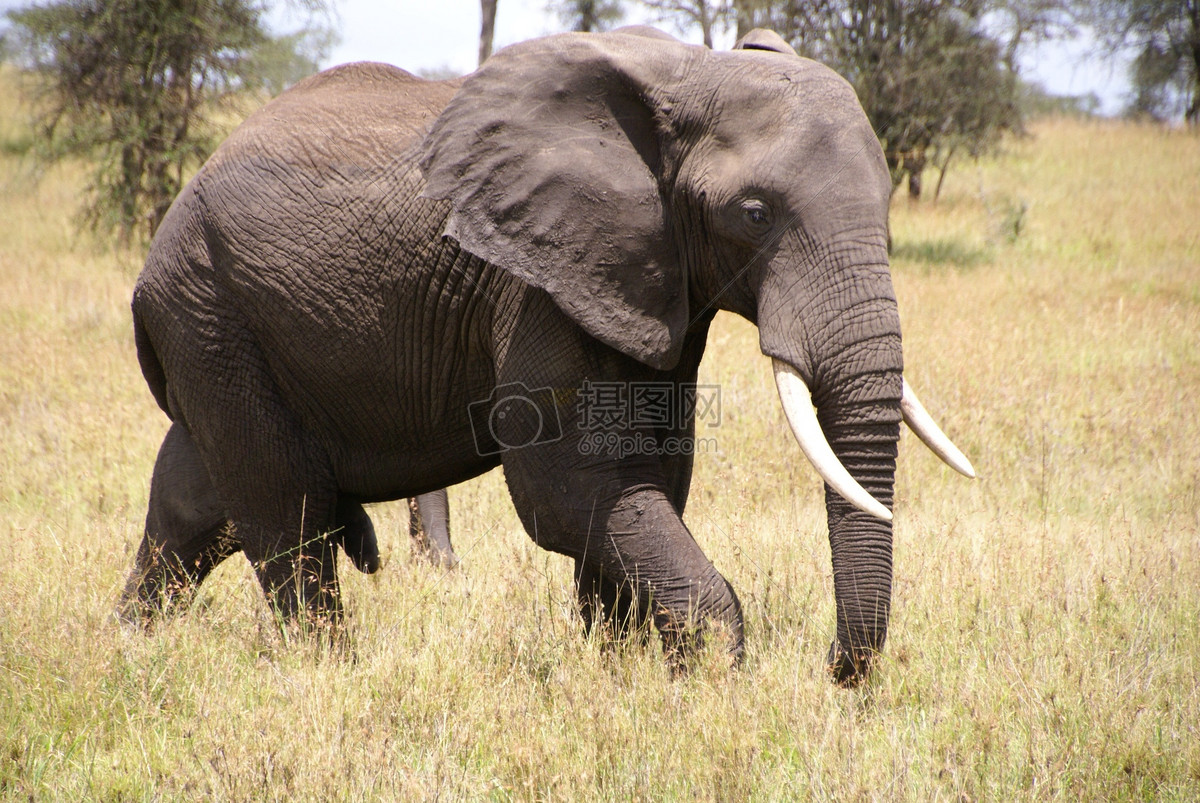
x=1045 y=642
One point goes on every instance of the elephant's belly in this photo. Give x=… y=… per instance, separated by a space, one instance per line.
x=376 y=474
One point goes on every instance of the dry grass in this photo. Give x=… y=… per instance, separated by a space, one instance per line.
x=1045 y=639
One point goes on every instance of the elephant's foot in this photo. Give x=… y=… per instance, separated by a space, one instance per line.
x=675 y=587
x=166 y=575
x=609 y=610
x=682 y=642
x=688 y=597
x=299 y=581
x=846 y=669
x=684 y=636
x=150 y=598
x=185 y=537
x=307 y=599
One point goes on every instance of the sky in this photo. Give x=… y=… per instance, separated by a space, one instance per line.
x=431 y=34
x=444 y=34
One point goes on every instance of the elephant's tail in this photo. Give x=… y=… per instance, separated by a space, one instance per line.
x=152 y=369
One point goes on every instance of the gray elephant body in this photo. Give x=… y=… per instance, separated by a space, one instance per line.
x=186 y=303
x=309 y=202
x=372 y=262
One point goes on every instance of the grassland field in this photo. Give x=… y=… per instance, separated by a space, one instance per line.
x=1045 y=634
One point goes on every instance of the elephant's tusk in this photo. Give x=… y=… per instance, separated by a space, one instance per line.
x=798 y=407
x=920 y=422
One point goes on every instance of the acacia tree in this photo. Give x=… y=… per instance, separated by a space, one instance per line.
x=1019 y=22
x=280 y=61
x=710 y=16
x=932 y=80
x=136 y=83
x=706 y=15
x=589 y=15
x=1164 y=36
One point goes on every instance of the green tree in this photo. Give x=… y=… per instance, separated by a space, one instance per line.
x=280 y=61
x=710 y=16
x=930 y=76
x=135 y=84
x=589 y=15
x=1020 y=22
x=1164 y=37
x=706 y=15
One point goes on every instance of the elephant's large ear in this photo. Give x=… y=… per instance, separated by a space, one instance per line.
x=552 y=156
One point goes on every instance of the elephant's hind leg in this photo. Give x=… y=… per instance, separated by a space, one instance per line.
x=272 y=476
x=186 y=532
x=283 y=505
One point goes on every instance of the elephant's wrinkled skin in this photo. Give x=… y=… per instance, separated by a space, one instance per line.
x=373 y=259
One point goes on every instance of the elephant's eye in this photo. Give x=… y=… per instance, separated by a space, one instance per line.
x=756 y=214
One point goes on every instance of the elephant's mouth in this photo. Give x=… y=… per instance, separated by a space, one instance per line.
x=798 y=407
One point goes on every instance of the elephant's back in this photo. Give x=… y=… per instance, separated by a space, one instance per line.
x=325 y=174
x=364 y=112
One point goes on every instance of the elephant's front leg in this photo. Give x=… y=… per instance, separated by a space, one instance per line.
x=603 y=602
x=616 y=521
x=581 y=493
x=607 y=606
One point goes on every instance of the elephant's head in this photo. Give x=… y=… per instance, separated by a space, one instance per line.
x=642 y=182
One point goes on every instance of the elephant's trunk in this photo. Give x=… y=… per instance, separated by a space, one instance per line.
x=858 y=385
x=853 y=448
x=852 y=442
x=837 y=346
x=864 y=439
x=844 y=343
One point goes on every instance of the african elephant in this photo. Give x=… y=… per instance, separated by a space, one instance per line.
x=379 y=286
